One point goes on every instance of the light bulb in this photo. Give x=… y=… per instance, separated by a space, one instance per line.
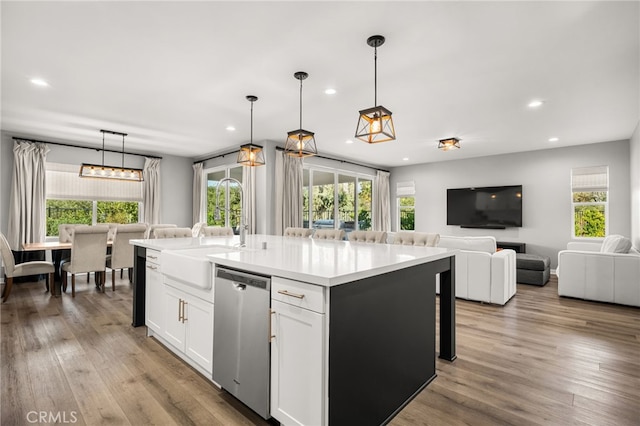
x=376 y=125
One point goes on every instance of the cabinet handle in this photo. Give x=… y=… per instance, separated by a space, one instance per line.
x=152 y=257
x=184 y=317
x=152 y=267
x=271 y=335
x=286 y=293
x=180 y=314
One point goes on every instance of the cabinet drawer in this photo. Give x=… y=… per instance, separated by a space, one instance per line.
x=153 y=256
x=307 y=296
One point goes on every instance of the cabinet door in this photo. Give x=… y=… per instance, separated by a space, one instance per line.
x=174 y=328
x=297 y=365
x=199 y=330
x=154 y=298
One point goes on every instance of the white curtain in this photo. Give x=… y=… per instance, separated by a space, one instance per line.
x=151 y=190
x=288 y=192
x=249 y=200
x=381 y=204
x=27 y=220
x=199 y=196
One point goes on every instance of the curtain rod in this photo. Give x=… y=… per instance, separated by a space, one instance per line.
x=342 y=161
x=216 y=156
x=84 y=147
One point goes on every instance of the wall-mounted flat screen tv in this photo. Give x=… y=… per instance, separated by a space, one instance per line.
x=495 y=207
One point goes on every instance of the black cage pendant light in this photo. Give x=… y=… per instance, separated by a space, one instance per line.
x=375 y=124
x=300 y=143
x=448 y=144
x=251 y=154
x=111 y=172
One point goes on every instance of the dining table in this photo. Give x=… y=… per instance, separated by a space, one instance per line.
x=56 y=248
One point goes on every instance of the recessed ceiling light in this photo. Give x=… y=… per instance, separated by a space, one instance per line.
x=348 y=141
x=554 y=139
x=231 y=128
x=535 y=104
x=39 y=82
x=405 y=159
x=330 y=92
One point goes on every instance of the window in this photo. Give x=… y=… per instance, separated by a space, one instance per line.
x=406 y=210
x=71 y=199
x=336 y=200
x=590 y=205
x=228 y=197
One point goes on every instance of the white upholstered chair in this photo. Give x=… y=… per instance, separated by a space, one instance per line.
x=88 y=254
x=173 y=233
x=604 y=272
x=416 y=239
x=217 y=231
x=151 y=229
x=483 y=273
x=121 y=256
x=298 y=232
x=379 y=237
x=329 y=234
x=11 y=270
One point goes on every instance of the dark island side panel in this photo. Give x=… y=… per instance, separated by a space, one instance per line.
x=381 y=344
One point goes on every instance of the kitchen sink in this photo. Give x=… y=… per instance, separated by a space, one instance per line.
x=191 y=266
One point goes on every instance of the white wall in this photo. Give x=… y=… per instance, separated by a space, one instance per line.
x=545 y=176
x=176 y=178
x=635 y=186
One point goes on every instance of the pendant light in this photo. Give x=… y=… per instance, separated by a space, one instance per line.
x=111 y=172
x=449 y=144
x=375 y=124
x=300 y=143
x=251 y=154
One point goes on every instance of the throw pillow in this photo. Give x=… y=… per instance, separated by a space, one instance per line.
x=615 y=244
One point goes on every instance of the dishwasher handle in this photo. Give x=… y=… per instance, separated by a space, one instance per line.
x=244 y=278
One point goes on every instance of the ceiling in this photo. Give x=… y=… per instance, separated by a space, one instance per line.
x=174 y=75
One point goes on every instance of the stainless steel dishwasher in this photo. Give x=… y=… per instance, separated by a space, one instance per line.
x=241 y=337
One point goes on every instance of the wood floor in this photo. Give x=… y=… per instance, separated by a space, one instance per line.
x=539 y=360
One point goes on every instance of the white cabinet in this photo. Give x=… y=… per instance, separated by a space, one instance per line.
x=189 y=327
x=154 y=292
x=297 y=353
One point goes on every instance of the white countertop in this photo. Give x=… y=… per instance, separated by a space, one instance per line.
x=321 y=262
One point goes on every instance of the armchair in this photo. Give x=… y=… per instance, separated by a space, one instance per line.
x=585 y=272
x=482 y=273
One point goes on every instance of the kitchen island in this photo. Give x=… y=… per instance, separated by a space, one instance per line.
x=352 y=325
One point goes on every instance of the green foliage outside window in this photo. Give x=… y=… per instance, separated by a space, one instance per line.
x=81 y=212
x=589 y=221
x=407 y=213
x=67 y=211
x=589 y=214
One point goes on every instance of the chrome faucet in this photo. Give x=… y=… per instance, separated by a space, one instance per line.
x=216 y=215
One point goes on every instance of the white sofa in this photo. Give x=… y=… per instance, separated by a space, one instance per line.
x=482 y=273
x=585 y=272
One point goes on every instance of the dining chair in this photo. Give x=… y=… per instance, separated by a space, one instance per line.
x=416 y=239
x=11 y=270
x=151 y=230
x=88 y=254
x=379 y=237
x=329 y=234
x=121 y=256
x=217 y=231
x=173 y=233
x=298 y=232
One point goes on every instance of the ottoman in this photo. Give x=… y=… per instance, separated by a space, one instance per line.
x=532 y=269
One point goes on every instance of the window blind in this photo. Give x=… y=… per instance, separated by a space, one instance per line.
x=63 y=182
x=590 y=179
x=404 y=189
